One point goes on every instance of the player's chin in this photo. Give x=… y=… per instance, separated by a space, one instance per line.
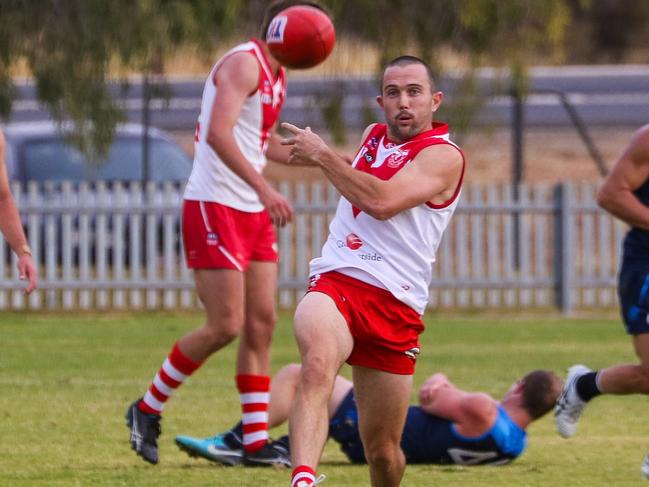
x=406 y=130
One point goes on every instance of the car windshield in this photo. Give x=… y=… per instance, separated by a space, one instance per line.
x=54 y=160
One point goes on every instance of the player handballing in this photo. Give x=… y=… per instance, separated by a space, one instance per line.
x=369 y=288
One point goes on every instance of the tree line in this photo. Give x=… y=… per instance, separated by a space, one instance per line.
x=71 y=47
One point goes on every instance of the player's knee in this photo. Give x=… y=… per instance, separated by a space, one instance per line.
x=290 y=372
x=259 y=331
x=384 y=455
x=316 y=373
x=216 y=337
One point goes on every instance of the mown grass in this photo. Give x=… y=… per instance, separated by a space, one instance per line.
x=66 y=379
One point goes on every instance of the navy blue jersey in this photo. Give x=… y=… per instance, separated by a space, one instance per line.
x=636 y=242
x=431 y=439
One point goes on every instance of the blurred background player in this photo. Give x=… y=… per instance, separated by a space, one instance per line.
x=12 y=228
x=369 y=288
x=448 y=426
x=228 y=215
x=624 y=194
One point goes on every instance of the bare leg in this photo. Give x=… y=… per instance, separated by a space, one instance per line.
x=325 y=343
x=628 y=378
x=283 y=389
x=221 y=291
x=381 y=422
x=260 y=317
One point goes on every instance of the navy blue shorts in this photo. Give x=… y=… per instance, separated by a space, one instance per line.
x=633 y=293
x=343 y=428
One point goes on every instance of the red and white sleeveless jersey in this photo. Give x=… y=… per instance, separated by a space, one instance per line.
x=211 y=179
x=396 y=254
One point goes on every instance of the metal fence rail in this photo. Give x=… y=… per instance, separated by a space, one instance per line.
x=118 y=247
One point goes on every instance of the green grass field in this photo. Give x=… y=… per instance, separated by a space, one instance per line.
x=66 y=379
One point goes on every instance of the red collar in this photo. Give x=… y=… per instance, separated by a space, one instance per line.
x=260 y=45
x=438 y=129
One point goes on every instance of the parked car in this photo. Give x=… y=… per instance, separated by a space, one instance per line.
x=37 y=151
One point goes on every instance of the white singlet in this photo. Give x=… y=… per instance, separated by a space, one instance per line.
x=211 y=179
x=396 y=254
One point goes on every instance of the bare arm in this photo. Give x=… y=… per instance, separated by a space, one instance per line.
x=629 y=173
x=472 y=412
x=236 y=79
x=433 y=175
x=276 y=151
x=11 y=226
x=280 y=153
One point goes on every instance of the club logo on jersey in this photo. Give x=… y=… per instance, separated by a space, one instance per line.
x=369 y=157
x=212 y=238
x=397 y=158
x=275 y=33
x=413 y=352
x=354 y=242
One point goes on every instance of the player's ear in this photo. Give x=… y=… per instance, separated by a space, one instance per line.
x=438 y=96
x=379 y=100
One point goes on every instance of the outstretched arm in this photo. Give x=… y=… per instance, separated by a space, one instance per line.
x=280 y=153
x=11 y=226
x=629 y=173
x=433 y=175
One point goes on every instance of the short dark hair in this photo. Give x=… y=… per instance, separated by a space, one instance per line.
x=405 y=60
x=541 y=389
x=278 y=5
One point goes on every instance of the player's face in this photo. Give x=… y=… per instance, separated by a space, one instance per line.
x=408 y=101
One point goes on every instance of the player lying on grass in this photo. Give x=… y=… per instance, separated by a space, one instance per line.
x=448 y=426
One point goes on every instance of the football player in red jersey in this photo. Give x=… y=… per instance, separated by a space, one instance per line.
x=365 y=308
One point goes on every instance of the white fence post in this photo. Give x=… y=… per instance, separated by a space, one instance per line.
x=115 y=247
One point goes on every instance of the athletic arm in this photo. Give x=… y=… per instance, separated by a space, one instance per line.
x=280 y=153
x=629 y=173
x=472 y=412
x=433 y=175
x=11 y=226
x=236 y=79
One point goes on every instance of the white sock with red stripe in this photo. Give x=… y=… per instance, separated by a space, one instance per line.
x=254 y=394
x=171 y=375
x=303 y=476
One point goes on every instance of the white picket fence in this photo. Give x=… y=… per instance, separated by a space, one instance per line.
x=119 y=247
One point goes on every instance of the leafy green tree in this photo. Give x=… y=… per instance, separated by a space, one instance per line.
x=72 y=46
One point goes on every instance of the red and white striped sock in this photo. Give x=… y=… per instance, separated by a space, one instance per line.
x=254 y=396
x=171 y=375
x=303 y=476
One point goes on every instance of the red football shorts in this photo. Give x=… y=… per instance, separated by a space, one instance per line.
x=219 y=237
x=385 y=330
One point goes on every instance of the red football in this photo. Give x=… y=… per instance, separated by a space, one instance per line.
x=301 y=37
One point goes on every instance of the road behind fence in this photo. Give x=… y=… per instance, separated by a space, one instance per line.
x=118 y=247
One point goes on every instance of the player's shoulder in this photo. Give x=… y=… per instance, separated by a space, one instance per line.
x=638 y=149
x=240 y=60
x=238 y=69
x=445 y=152
x=368 y=130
